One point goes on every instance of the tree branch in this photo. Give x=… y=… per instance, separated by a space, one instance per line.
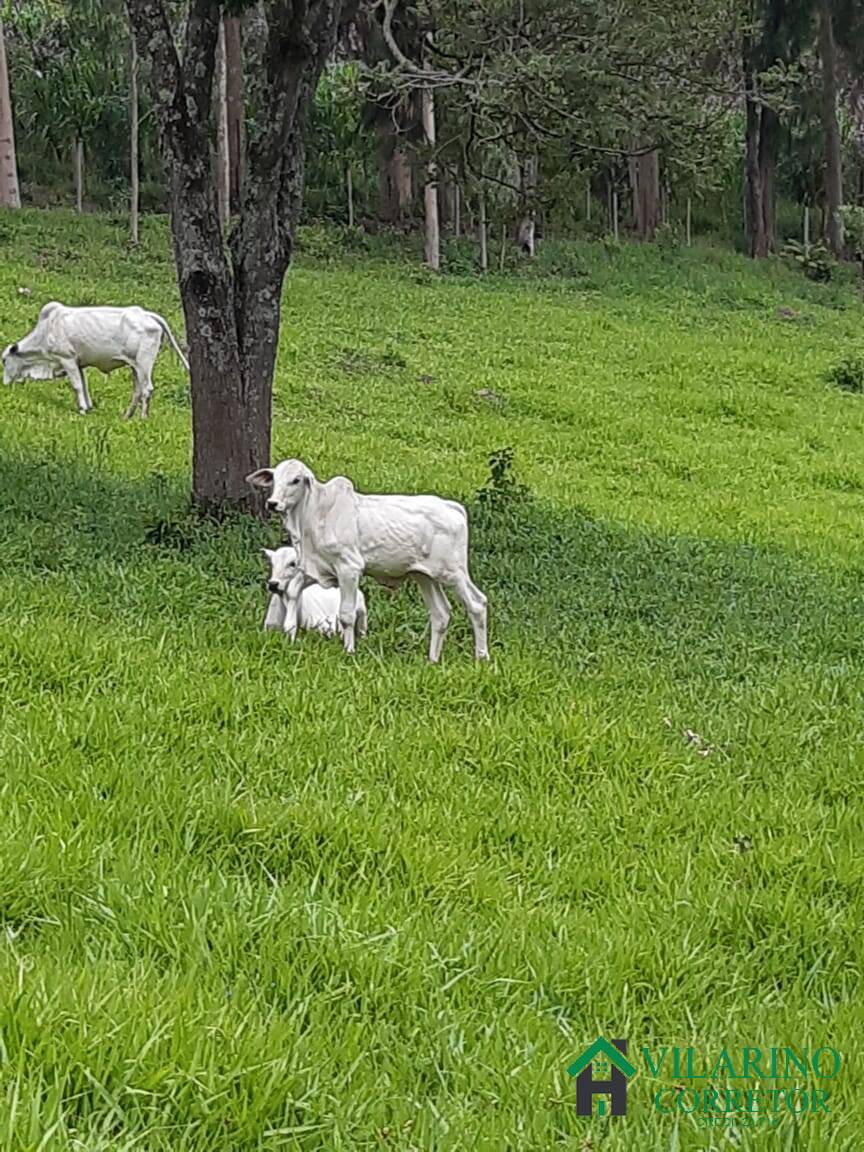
x=426 y=77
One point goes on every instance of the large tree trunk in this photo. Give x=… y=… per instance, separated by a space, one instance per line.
x=10 y=196
x=223 y=157
x=394 y=167
x=769 y=129
x=133 y=145
x=644 y=168
x=754 y=221
x=235 y=108
x=831 y=132
x=232 y=311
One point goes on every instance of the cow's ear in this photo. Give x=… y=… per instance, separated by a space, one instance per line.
x=268 y=553
x=263 y=478
x=13 y=351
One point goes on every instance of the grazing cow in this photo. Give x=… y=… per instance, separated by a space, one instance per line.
x=295 y=603
x=340 y=534
x=65 y=341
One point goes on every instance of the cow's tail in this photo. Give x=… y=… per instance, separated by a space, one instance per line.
x=163 y=324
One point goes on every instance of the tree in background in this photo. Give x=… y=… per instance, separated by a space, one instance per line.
x=335 y=139
x=72 y=77
x=232 y=302
x=394 y=115
x=9 y=195
x=635 y=83
x=833 y=170
x=555 y=114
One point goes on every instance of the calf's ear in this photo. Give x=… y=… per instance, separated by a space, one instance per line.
x=263 y=478
x=268 y=553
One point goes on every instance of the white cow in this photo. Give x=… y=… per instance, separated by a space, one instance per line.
x=340 y=534
x=65 y=341
x=295 y=603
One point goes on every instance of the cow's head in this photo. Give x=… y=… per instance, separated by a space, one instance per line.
x=287 y=484
x=14 y=367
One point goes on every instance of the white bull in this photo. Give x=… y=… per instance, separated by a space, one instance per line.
x=66 y=340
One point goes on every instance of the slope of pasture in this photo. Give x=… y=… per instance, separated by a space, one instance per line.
x=257 y=896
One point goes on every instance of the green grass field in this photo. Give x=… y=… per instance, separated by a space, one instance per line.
x=262 y=896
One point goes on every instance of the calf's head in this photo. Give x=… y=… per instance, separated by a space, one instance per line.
x=287 y=483
x=283 y=569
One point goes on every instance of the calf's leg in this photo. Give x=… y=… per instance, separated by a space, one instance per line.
x=292 y=616
x=275 y=617
x=439 y=613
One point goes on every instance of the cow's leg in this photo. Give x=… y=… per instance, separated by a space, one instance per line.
x=349 y=582
x=136 y=396
x=146 y=392
x=79 y=383
x=475 y=605
x=439 y=613
x=147 y=353
x=362 y=619
x=275 y=614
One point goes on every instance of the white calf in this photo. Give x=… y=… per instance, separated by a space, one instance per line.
x=65 y=341
x=293 y=603
x=340 y=534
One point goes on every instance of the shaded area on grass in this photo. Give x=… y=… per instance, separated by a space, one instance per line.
x=557 y=579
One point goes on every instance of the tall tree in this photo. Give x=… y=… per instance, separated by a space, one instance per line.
x=10 y=196
x=395 y=181
x=833 y=221
x=395 y=115
x=644 y=170
x=432 y=245
x=134 y=133
x=232 y=304
x=754 y=218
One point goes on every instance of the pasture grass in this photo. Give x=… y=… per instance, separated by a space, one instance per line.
x=261 y=896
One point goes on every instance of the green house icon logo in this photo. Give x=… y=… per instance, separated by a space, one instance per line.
x=602 y=1070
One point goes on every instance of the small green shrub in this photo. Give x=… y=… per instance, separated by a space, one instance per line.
x=667 y=237
x=848 y=375
x=814 y=260
x=502 y=491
